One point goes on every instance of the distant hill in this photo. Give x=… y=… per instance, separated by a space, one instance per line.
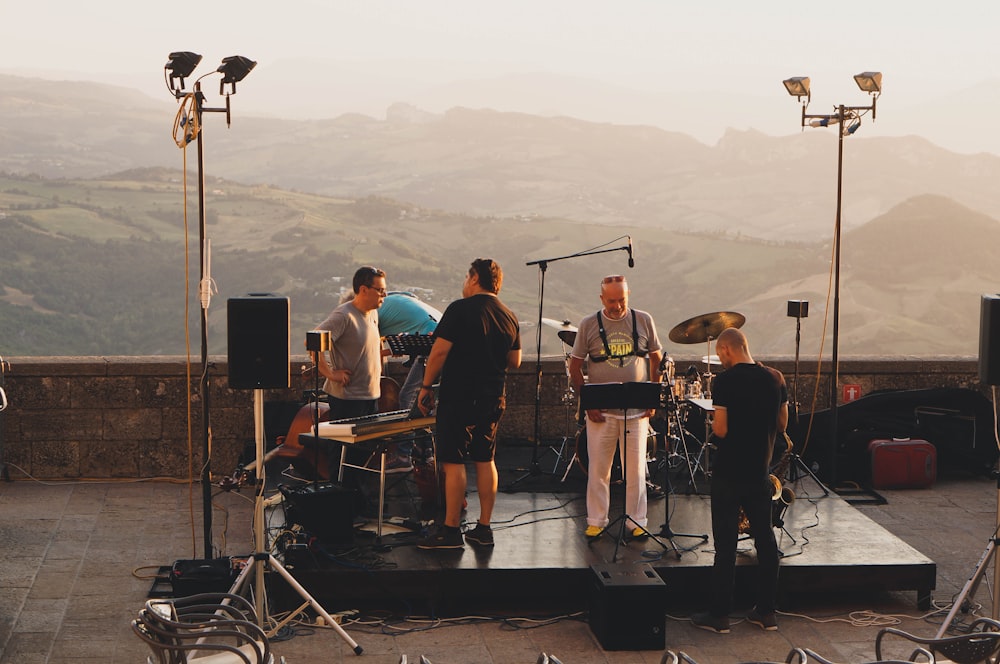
x=96 y=266
x=488 y=163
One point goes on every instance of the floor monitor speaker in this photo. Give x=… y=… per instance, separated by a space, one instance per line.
x=258 y=336
x=628 y=607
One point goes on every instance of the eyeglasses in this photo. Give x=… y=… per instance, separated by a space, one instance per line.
x=614 y=278
x=380 y=291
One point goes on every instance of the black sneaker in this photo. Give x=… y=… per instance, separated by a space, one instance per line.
x=442 y=538
x=480 y=535
x=654 y=491
x=711 y=623
x=766 y=621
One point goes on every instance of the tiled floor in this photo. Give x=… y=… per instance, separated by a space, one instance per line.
x=77 y=561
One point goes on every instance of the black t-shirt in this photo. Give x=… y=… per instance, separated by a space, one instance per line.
x=752 y=395
x=482 y=331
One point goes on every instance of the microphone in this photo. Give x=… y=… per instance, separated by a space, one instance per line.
x=631 y=261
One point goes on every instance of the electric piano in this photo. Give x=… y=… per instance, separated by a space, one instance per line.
x=368 y=427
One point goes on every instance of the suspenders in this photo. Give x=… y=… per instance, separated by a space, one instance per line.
x=607 y=349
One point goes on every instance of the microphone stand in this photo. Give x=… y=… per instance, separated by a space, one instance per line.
x=535 y=469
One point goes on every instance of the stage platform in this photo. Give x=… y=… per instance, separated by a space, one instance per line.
x=542 y=560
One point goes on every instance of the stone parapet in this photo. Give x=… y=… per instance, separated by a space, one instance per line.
x=129 y=417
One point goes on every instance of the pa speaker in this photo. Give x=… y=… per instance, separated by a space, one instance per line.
x=989 y=340
x=258 y=335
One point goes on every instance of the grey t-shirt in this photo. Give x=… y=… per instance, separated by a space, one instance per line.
x=357 y=347
x=626 y=369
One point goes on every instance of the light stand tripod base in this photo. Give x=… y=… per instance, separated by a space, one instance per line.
x=256 y=570
x=261 y=558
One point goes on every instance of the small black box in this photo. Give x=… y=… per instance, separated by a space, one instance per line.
x=628 y=607
x=190 y=577
x=325 y=510
x=798 y=309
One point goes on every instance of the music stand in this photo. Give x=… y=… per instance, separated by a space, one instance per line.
x=414 y=345
x=622 y=396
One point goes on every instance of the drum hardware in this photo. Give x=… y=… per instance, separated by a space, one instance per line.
x=705 y=329
x=568 y=400
x=673 y=411
x=580 y=455
x=567 y=334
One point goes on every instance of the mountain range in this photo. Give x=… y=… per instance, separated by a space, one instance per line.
x=93 y=173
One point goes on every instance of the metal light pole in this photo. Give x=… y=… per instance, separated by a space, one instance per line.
x=870 y=82
x=233 y=69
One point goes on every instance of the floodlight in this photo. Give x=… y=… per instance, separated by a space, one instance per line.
x=234 y=69
x=869 y=81
x=797 y=86
x=180 y=65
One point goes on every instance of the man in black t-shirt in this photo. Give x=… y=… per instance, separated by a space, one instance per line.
x=750 y=404
x=476 y=341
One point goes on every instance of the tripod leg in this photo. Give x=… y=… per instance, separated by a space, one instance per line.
x=559 y=454
x=574 y=459
x=799 y=464
x=969 y=589
x=304 y=594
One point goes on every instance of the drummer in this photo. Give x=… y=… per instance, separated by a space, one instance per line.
x=620 y=345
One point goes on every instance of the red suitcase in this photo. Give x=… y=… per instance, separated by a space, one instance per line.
x=902 y=463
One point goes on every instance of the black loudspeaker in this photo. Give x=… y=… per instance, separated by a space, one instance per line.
x=258 y=334
x=325 y=510
x=798 y=309
x=628 y=607
x=989 y=340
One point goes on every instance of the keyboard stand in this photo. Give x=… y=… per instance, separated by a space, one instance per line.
x=378 y=444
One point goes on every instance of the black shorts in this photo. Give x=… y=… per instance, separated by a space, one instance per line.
x=467 y=429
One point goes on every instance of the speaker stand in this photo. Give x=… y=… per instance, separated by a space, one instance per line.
x=261 y=557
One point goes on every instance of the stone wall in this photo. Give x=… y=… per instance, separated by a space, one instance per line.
x=98 y=417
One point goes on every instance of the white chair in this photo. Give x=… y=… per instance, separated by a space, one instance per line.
x=209 y=628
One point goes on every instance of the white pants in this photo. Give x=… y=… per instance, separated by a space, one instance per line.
x=602 y=439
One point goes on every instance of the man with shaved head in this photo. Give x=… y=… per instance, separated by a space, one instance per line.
x=751 y=408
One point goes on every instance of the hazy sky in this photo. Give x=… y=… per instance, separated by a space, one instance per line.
x=722 y=61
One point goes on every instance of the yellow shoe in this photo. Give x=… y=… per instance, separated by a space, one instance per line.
x=639 y=533
x=593 y=531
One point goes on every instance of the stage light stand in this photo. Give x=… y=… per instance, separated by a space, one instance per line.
x=233 y=69
x=798 y=87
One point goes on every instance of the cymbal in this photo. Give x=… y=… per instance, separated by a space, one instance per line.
x=701 y=328
x=566 y=330
x=710 y=359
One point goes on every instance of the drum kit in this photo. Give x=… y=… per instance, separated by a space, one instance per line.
x=681 y=391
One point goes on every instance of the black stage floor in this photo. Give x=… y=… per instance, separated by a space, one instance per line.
x=542 y=560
